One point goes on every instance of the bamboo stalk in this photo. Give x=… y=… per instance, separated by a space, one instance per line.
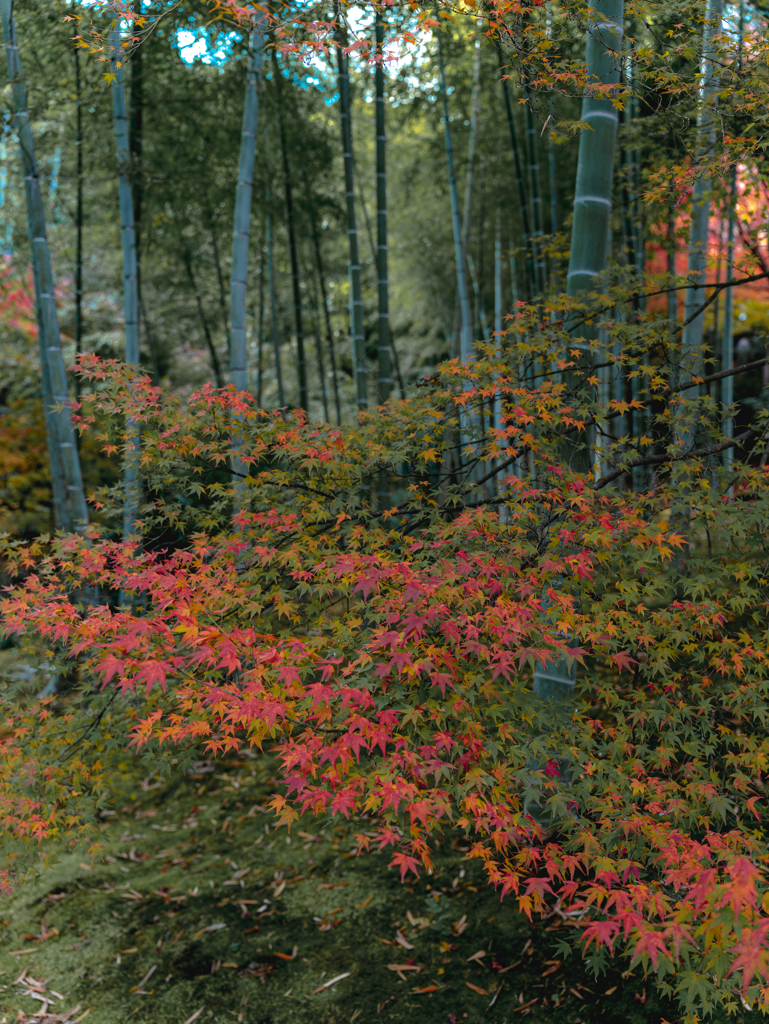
x=70 y=510
x=595 y=162
x=241 y=228
x=78 y=215
x=274 y=328
x=519 y=180
x=498 y=318
x=552 y=167
x=466 y=326
x=482 y=321
x=727 y=338
x=301 y=365
x=327 y=317
x=472 y=146
x=318 y=330
x=691 y=340
x=215 y=364
x=590 y=231
x=535 y=191
x=260 y=332
x=130 y=278
x=384 y=379
x=360 y=373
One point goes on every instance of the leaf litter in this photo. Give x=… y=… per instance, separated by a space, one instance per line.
x=202 y=922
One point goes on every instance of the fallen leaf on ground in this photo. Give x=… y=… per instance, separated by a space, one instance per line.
x=328 y=984
x=477 y=956
x=427 y=988
x=44 y=934
x=477 y=988
x=209 y=928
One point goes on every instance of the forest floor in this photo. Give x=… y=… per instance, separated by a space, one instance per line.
x=196 y=909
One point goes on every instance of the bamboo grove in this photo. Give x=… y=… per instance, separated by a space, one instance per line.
x=422 y=439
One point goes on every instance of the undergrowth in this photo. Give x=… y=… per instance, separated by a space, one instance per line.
x=195 y=902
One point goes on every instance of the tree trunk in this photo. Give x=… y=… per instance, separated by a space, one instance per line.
x=295 y=279
x=78 y=215
x=590 y=231
x=360 y=373
x=691 y=342
x=727 y=339
x=260 y=333
x=552 y=166
x=520 y=181
x=326 y=315
x=215 y=365
x=319 y=348
x=273 y=300
x=135 y=146
x=241 y=228
x=130 y=281
x=595 y=163
x=384 y=379
x=466 y=323
x=70 y=510
x=535 y=189
x=472 y=148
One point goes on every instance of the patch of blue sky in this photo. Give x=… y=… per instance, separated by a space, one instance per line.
x=195 y=44
x=313 y=72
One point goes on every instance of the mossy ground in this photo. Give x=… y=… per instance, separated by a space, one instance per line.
x=194 y=884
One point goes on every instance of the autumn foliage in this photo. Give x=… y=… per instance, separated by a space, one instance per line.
x=370 y=603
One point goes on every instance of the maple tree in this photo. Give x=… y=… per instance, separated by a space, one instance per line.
x=386 y=654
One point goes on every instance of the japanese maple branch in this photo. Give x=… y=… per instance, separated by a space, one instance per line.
x=652 y=460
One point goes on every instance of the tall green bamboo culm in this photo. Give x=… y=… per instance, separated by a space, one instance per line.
x=274 y=329
x=472 y=147
x=535 y=191
x=498 y=342
x=552 y=167
x=384 y=378
x=80 y=179
x=69 y=506
x=241 y=228
x=692 y=361
x=356 y=295
x=326 y=315
x=595 y=162
x=727 y=337
x=520 y=181
x=301 y=362
x=319 y=348
x=466 y=324
x=130 y=276
x=590 y=230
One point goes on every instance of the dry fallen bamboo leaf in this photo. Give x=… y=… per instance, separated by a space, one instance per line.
x=328 y=984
